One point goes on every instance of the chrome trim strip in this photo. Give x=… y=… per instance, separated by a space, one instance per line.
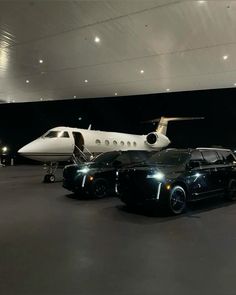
x=159 y=190
x=83 y=181
x=116 y=188
x=207 y=192
x=46 y=154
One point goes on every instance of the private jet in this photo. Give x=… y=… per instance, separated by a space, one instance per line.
x=62 y=144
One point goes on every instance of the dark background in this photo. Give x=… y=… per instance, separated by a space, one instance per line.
x=20 y=123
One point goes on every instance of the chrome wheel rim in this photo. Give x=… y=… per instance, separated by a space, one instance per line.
x=100 y=190
x=177 y=199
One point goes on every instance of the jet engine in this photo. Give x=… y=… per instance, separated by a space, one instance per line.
x=157 y=140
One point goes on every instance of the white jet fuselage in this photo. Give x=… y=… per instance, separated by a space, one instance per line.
x=60 y=143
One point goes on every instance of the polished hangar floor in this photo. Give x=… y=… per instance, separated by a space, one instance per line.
x=53 y=244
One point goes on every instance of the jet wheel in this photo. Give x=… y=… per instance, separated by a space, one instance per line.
x=49 y=178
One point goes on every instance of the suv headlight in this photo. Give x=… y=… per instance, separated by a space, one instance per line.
x=157 y=176
x=85 y=170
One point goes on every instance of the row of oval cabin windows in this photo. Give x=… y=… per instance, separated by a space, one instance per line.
x=122 y=143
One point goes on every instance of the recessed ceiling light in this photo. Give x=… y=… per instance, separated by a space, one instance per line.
x=225 y=57
x=168 y=89
x=40 y=61
x=97 y=39
x=86 y=81
x=74 y=96
x=142 y=71
x=13 y=100
x=27 y=81
x=116 y=94
x=234 y=84
x=201 y=1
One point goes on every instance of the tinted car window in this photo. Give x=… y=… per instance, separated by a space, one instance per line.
x=170 y=157
x=220 y=156
x=210 y=157
x=228 y=158
x=196 y=156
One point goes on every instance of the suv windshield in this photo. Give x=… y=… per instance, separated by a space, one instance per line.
x=169 y=157
x=106 y=157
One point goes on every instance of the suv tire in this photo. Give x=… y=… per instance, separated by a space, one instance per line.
x=177 y=200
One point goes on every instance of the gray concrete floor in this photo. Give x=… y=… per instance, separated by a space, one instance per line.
x=51 y=243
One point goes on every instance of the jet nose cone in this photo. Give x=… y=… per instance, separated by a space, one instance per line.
x=24 y=150
x=21 y=151
x=29 y=150
x=48 y=150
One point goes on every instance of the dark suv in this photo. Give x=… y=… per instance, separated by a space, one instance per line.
x=98 y=177
x=172 y=177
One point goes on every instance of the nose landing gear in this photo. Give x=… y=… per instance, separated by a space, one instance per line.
x=51 y=170
x=49 y=178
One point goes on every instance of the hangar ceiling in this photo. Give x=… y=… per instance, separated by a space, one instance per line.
x=84 y=49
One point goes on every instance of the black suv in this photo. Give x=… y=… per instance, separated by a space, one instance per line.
x=172 y=177
x=98 y=177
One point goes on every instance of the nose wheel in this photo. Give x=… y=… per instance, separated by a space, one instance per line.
x=50 y=176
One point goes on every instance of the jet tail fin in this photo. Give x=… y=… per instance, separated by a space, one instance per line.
x=163 y=122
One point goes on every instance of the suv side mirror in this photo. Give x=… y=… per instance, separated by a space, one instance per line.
x=193 y=164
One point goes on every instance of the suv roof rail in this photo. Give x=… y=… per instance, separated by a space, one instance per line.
x=213 y=148
x=178 y=149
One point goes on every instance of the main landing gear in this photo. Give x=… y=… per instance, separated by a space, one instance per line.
x=51 y=170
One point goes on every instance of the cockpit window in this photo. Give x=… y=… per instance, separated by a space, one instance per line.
x=57 y=134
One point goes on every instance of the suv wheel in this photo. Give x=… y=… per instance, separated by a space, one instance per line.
x=231 y=191
x=177 y=200
x=100 y=188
